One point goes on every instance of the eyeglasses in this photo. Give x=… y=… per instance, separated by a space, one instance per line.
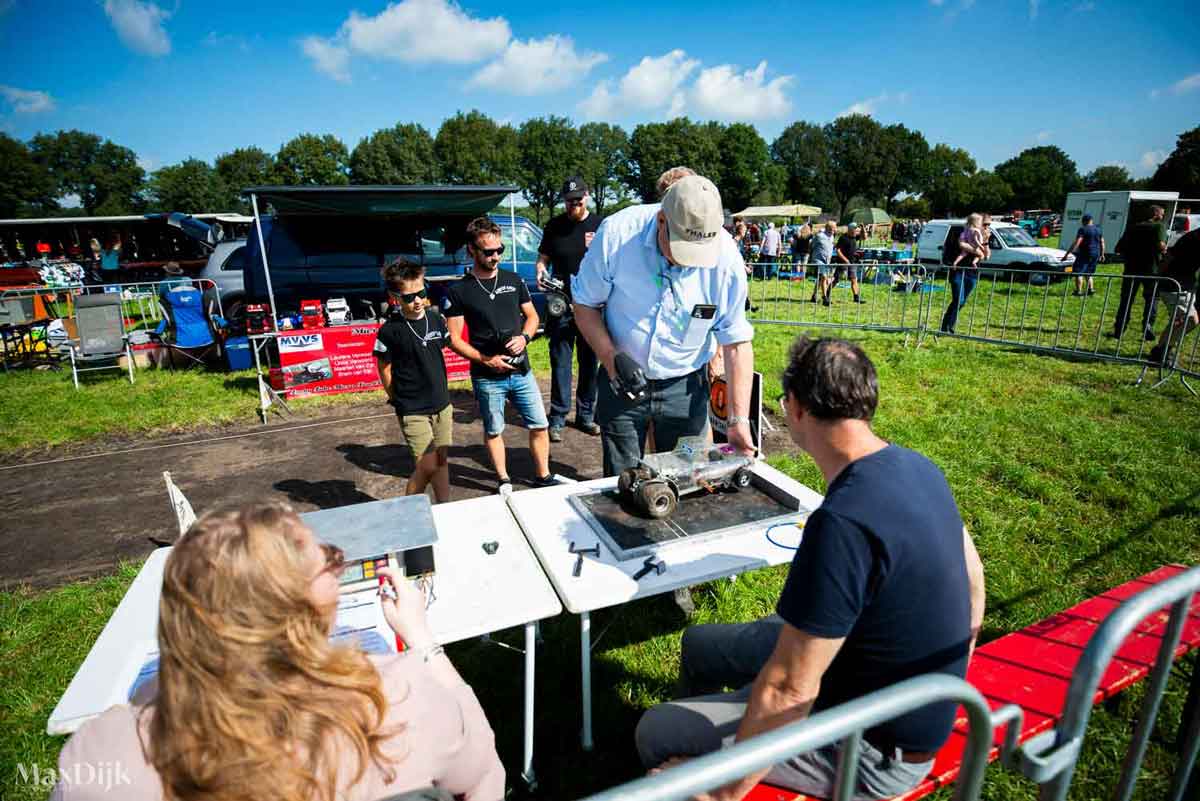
x=335 y=558
x=408 y=297
x=489 y=252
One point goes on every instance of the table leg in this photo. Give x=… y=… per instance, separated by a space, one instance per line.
x=585 y=660
x=530 y=648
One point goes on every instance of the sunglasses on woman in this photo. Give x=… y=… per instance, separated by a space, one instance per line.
x=408 y=297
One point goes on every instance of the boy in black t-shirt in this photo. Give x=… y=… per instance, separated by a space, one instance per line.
x=845 y=253
x=408 y=353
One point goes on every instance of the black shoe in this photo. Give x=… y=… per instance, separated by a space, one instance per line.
x=857 y=299
x=825 y=301
x=1149 y=335
x=813 y=299
x=547 y=480
x=1091 y=292
x=1156 y=354
x=1077 y=294
x=589 y=428
x=556 y=433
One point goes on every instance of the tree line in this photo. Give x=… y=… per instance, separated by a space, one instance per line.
x=851 y=161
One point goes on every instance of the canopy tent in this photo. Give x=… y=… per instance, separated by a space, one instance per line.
x=871 y=216
x=372 y=201
x=794 y=210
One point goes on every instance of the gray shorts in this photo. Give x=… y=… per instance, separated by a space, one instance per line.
x=732 y=655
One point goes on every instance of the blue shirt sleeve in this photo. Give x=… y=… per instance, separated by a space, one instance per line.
x=732 y=326
x=593 y=284
x=827 y=586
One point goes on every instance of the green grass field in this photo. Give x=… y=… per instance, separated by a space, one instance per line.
x=1071 y=480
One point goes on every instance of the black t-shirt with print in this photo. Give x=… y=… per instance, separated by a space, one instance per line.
x=847 y=247
x=492 y=310
x=564 y=242
x=414 y=349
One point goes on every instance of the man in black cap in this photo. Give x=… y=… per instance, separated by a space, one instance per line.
x=564 y=242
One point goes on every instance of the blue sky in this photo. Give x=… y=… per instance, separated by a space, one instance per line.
x=1108 y=81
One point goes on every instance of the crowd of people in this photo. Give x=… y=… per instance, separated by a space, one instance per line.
x=251 y=694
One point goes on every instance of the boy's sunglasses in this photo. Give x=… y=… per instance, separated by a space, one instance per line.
x=491 y=251
x=408 y=297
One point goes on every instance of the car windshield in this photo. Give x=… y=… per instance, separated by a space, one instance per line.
x=1016 y=237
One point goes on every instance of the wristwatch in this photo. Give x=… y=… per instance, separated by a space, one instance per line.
x=737 y=419
x=528 y=338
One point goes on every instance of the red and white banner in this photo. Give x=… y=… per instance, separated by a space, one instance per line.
x=326 y=361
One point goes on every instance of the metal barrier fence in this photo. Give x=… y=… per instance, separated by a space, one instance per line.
x=1049 y=758
x=844 y=723
x=1035 y=309
x=791 y=294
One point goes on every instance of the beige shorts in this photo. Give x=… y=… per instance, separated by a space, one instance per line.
x=1184 y=303
x=423 y=431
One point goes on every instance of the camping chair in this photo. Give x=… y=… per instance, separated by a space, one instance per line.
x=193 y=320
x=102 y=335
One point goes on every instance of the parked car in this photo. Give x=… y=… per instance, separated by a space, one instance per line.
x=1040 y=222
x=1180 y=225
x=1012 y=248
x=312 y=258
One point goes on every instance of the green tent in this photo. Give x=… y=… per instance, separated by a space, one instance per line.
x=871 y=216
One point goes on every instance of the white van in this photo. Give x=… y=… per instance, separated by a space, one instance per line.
x=1112 y=211
x=1012 y=247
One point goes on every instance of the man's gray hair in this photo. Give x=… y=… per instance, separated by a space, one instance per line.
x=670 y=177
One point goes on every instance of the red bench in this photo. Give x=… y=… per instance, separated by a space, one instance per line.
x=1032 y=668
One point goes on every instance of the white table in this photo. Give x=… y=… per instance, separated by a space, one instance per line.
x=476 y=594
x=551 y=524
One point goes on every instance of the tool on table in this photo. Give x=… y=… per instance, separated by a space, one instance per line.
x=594 y=550
x=651 y=565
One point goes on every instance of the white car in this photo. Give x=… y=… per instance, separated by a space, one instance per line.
x=1012 y=248
x=1182 y=224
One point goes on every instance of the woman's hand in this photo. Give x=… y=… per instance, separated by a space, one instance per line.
x=405 y=614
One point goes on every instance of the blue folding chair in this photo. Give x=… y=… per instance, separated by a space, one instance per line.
x=193 y=321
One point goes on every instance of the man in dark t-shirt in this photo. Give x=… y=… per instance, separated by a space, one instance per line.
x=845 y=254
x=1088 y=248
x=885 y=585
x=1142 y=247
x=1182 y=262
x=498 y=312
x=408 y=353
x=564 y=242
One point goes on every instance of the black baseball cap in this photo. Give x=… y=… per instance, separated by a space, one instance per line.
x=573 y=188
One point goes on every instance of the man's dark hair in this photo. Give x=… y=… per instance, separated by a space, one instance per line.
x=402 y=270
x=480 y=226
x=832 y=379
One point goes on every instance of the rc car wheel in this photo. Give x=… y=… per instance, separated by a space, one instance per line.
x=658 y=499
x=741 y=479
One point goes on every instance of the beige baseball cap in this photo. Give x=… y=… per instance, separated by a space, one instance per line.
x=694 y=215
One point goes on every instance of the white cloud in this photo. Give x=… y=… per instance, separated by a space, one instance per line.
x=422 y=31
x=328 y=57
x=1044 y=136
x=1152 y=158
x=147 y=163
x=27 y=101
x=868 y=106
x=723 y=92
x=1180 y=87
x=139 y=25
x=652 y=83
x=537 y=66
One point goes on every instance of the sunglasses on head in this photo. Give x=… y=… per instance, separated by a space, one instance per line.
x=408 y=297
x=488 y=252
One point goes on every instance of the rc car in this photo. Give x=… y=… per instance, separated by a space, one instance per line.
x=653 y=488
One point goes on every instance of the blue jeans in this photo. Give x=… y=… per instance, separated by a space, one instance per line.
x=492 y=393
x=678 y=407
x=564 y=338
x=962 y=282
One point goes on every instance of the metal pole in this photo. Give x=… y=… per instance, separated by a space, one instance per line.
x=530 y=668
x=512 y=227
x=585 y=656
x=262 y=252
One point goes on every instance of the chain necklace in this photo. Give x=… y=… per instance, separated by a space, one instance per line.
x=424 y=340
x=495 y=283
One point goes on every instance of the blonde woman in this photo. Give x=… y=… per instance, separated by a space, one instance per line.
x=253 y=701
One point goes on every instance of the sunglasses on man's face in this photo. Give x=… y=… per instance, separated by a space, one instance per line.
x=408 y=297
x=489 y=252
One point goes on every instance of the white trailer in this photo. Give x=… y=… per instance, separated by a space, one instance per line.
x=1112 y=211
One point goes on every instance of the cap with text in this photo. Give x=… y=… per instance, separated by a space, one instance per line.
x=694 y=215
x=573 y=188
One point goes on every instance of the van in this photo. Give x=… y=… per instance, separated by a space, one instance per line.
x=316 y=258
x=1012 y=248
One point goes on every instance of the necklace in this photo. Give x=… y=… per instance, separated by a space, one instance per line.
x=495 y=283
x=424 y=340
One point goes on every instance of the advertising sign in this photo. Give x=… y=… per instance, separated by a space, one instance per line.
x=718 y=409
